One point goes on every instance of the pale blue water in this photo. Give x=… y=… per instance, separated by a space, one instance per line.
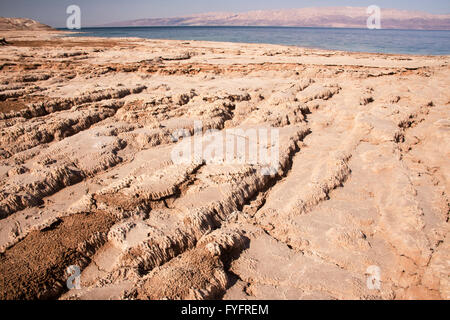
x=363 y=40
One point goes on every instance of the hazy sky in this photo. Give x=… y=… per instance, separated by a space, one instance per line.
x=96 y=12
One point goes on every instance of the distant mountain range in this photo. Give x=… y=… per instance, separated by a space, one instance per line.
x=344 y=17
x=21 y=24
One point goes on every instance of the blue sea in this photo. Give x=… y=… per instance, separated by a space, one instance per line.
x=362 y=40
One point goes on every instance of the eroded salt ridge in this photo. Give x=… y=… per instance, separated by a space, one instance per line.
x=87 y=163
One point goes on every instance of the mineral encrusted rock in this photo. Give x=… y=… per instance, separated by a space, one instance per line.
x=87 y=174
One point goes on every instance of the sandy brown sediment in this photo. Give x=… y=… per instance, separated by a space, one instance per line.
x=87 y=176
x=35 y=268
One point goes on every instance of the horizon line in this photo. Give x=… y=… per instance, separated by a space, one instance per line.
x=240 y=26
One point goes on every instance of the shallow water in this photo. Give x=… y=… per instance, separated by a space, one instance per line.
x=362 y=40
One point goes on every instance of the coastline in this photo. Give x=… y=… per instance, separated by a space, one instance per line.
x=87 y=126
x=415 y=42
x=58 y=34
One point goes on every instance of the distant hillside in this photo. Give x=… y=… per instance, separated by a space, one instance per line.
x=8 y=24
x=345 y=17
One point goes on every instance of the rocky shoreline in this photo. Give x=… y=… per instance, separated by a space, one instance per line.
x=87 y=177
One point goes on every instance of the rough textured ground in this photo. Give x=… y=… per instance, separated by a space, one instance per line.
x=87 y=178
